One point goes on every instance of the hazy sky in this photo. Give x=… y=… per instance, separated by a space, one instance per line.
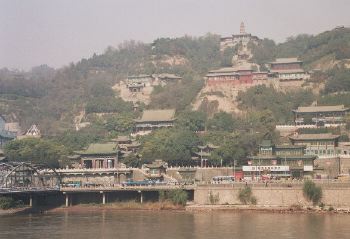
x=57 y=32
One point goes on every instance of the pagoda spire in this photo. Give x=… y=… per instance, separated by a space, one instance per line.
x=242 y=28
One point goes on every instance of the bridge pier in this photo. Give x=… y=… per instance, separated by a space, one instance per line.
x=103 y=197
x=141 y=196
x=30 y=200
x=67 y=199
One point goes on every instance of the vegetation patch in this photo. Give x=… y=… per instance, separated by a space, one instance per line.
x=8 y=203
x=312 y=192
x=177 y=197
x=246 y=196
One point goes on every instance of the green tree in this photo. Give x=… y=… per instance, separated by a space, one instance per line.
x=191 y=120
x=222 y=121
x=35 y=151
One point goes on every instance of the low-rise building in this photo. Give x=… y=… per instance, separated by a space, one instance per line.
x=320 y=115
x=279 y=161
x=317 y=144
x=99 y=155
x=155 y=119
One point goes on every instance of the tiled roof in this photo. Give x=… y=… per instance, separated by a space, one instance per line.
x=157 y=115
x=288 y=71
x=315 y=109
x=286 y=60
x=100 y=149
x=169 y=76
x=314 y=136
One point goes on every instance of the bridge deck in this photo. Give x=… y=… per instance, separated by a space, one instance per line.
x=130 y=188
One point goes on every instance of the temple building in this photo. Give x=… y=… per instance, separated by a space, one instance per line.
x=166 y=78
x=242 y=38
x=279 y=161
x=236 y=76
x=320 y=115
x=136 y=83
x=288 y=69
x=317 y=144
x=99 y=155
x=155 y=119
x=243 y=72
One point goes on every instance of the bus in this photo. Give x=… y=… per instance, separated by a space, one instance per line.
x=222 y=180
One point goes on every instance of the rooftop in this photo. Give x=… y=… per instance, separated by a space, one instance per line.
x=315 y=109
x=314 y=136
x=99 y=148
x=169 y=76
x=157 y=115
x=209 y=145
x=286 y=60
x=288 y=71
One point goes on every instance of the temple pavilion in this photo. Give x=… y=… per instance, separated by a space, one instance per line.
x=155 y=119
x=99 y=155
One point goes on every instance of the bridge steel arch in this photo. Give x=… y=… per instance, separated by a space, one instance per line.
x=28 y=176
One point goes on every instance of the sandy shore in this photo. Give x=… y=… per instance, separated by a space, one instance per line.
x=14 y=211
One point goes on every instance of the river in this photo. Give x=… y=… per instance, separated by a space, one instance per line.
x=168 y=224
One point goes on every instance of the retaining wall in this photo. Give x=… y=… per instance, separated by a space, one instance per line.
x=337 y=197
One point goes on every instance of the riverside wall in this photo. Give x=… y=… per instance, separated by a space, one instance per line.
x=272 y=196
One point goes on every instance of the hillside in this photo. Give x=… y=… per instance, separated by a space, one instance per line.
x=54 y=98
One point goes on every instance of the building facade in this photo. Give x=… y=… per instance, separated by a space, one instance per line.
x=288 y=69
x=279 y=161
x=99 y=156
x=317 y=144
x=320 y=115
x=155 y=119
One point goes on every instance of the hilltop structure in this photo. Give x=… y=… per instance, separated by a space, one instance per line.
x=242 y=38
x=242 y=72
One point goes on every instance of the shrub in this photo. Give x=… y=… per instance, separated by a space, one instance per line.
x=245 y=196
x=177 y=197
x=312 y=192
x=213 y=198
x=7 y=203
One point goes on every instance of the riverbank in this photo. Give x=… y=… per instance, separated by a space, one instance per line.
x=271 y=209
x=148 y=206
x=15 y=211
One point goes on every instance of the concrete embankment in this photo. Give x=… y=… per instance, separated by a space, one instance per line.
x=338 y=197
